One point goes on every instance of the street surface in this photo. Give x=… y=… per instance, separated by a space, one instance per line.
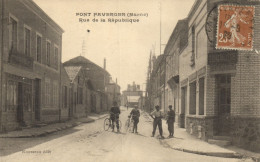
x=89 y=142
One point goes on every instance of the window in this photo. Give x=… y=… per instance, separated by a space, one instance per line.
x=27 y=43
x=80 y=95
x=48 y=53
x=55 y=94
x=56 y=57
x=13 y=34
x=11 y=96
x=38 y=48
x=47 y=92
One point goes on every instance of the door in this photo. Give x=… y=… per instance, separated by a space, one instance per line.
x=70 y=103
x=20 y=104
x=183 y=106
x=37 y=99
x=93 y=103
x=224 y=103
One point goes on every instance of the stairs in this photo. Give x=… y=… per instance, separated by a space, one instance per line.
x=220 y=141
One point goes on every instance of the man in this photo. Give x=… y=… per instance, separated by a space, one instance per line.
x=114 y=115
x=135 y=113
x=170 y=121
x=157 y=116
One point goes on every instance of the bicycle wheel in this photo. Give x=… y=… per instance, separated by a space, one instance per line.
x=131 y=126
x=106 y=124
x=127 y=123
x=120 y=124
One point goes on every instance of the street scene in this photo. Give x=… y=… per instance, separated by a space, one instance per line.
x=130 y=81
x=89 y=142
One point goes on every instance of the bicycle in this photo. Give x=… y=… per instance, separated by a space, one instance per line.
x=129 y=124
x=108 y=124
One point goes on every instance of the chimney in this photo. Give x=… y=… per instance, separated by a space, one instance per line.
x=105 y=62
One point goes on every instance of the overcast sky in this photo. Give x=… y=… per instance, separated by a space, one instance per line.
x=126 y=46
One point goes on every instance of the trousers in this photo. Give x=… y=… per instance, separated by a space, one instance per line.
x=113 y=123
x=136 y=121
x=157 y=122
x=171 y=127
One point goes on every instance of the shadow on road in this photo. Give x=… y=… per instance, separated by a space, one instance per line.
x=12 y=145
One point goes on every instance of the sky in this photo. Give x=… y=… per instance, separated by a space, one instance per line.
x=126 y=46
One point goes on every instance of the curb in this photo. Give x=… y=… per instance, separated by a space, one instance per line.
x=51 y=130
x=215 y=154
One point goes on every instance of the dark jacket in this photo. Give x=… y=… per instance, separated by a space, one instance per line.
x=135 y=114
x=114 y=111
x=171 y=116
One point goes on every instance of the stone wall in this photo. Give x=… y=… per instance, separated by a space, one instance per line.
x=201 y=127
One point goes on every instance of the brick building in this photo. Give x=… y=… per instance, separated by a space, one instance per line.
x=31 y=44
x=219 y=89
x=156 y=82
x=176 y=43
x=89 y=84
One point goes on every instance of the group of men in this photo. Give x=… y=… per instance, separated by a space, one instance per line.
x=157 y=116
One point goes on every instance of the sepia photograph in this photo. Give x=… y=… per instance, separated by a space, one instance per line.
x=130 y=80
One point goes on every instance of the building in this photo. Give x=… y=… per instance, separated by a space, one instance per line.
x=31 y=44
x=130 y=97
x=113 y=92
x=219 y=88
x=156 y=83
x=176 y=43
x=89 y=84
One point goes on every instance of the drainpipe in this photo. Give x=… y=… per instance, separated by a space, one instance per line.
x=60 y=87
x=1 y=59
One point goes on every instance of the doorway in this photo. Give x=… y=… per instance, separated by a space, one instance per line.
x=224 y=103
x=183 y=107
x=20 y=104
x=37 y=99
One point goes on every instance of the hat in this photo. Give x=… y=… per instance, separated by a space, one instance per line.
x=157 y=106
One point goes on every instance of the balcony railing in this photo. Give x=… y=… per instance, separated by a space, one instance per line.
x=20 y=59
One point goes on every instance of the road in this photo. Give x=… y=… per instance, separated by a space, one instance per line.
x=89 y=142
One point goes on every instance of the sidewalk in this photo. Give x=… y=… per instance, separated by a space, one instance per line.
x=185 y=142
x=51 y=128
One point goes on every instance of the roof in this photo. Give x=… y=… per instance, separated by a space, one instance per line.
x=82 y=61
x=133 y=98
x=175 y=34
x=72 y=71
x=44 y=16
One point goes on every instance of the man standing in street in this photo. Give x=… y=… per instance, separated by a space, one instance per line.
x=114 y=115
x=170 y=121
x=157 y=116
x=135 y=113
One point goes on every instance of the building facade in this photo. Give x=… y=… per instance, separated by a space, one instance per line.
x=131 y=96
x=219 y=88
x=89 y=84
x=215 y=91
x=176 y=43
x=31 y=44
